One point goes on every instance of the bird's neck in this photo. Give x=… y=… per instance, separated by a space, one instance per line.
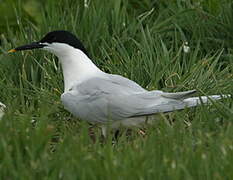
x=77 y=67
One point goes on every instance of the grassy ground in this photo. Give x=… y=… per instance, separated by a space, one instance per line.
x=140 y=40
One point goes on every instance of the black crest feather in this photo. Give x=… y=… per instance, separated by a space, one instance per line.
x=66 y=37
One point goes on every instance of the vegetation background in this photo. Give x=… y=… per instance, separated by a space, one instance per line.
x=142 y=40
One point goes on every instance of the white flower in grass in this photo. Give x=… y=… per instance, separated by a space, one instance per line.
x=86 y=3
x=33 y=121
x=186 y=48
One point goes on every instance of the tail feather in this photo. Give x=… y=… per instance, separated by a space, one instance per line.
x=195 y=101
x=168 y=105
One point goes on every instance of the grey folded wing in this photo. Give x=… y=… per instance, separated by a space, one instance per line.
x=101 y=100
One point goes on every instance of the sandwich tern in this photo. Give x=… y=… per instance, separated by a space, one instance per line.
x=107 y=99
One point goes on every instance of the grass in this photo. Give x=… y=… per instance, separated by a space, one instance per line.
x=144 y=42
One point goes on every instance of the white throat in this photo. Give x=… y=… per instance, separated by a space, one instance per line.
x=76 y=65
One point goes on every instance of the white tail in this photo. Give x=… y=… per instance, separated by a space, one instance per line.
x=195 y=101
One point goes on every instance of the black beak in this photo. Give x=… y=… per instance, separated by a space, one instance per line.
x=34 y=45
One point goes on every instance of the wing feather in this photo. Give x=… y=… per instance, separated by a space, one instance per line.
x=102 y=100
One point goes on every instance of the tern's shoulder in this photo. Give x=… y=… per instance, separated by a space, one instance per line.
x=125 y=82
x=111 y=84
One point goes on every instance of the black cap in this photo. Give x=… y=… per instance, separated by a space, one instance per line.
x=60 y=36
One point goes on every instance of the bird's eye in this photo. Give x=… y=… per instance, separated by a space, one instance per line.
x=52 y=39
x=49 y=39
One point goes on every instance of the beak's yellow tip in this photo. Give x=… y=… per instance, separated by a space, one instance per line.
x=11 y=51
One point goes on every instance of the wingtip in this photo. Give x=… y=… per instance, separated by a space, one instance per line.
x=179 y=95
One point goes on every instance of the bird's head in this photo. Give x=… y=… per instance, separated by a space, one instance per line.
x=57 y=42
